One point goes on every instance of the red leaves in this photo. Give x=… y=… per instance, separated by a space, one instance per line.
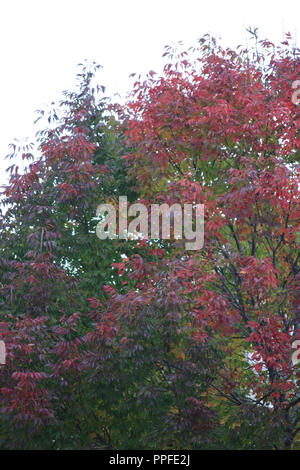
x=120 y=266
x=258 y=276
x=272 y=344
x=223 y=133
x=28 y=377
x=109 y=290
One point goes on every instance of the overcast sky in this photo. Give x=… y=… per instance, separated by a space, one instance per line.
x=42 y=41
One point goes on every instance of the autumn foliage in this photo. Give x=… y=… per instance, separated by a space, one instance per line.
x=142 y=344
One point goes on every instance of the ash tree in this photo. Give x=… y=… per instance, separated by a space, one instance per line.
x=144 y=344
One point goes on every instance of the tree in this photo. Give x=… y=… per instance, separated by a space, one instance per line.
x=50 y=265
x=144 y=344
x=222 y=131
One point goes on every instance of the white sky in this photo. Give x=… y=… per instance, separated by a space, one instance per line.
x=43 y=41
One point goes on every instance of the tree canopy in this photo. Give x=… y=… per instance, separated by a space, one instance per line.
x=142 y=344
